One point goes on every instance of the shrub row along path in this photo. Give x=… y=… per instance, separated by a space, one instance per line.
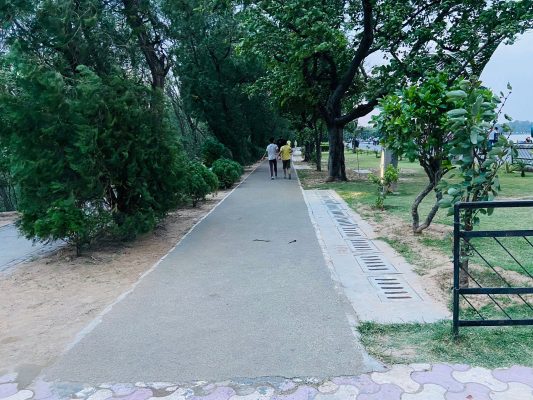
x=246 y=294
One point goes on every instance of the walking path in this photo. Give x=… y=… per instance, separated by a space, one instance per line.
x=245 y=294
x=244 y=308
x=401 y=382
x=15 y=249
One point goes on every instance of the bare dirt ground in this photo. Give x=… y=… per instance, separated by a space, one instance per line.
x=8 y=217
x=46 y=302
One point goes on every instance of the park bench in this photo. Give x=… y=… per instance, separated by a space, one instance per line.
x=524 y=154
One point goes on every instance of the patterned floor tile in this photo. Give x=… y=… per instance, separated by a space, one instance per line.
x=482 y=376
x=472 y=391
x=386 y=392
x=515 y=374
x=428 y=392
x=399 y=375
x=440 y=374
x=516 y=391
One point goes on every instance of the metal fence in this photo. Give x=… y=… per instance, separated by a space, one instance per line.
x=493 y=269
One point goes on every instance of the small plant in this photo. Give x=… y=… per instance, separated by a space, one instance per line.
x=384 y=185
x=227 y=171
x=520 y=166
x=200 y=182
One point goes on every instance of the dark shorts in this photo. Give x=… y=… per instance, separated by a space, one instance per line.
x=286 y=164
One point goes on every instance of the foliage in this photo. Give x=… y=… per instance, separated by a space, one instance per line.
x=384 y=185
x=201 y=181
x=318 y=53
x=215 y=79
x=227 y=171
x=470 y=122
x=90 y=147
x=8 y=193
x=413 y=122
x=520 y=166
x=212 y=150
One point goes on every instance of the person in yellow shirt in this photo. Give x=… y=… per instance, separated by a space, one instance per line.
x=285 y=155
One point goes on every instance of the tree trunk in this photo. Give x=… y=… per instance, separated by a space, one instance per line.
x=415 y=216
x=336 y=165
x=308 y=150
x=318 y=143
x=394 y=163
x=465 y=252
x=430 y=215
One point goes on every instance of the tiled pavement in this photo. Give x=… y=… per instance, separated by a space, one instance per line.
x=401 y=382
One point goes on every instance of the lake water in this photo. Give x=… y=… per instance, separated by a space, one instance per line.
x=518 y=137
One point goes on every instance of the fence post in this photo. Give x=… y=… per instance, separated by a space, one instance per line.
x=456 y=266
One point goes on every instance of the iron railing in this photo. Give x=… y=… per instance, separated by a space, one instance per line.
x=486 y=278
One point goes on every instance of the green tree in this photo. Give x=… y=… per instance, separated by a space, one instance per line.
x=330 y=48
x=413 y=122
x=84 y=109
x=215 y=79
x=477 y=165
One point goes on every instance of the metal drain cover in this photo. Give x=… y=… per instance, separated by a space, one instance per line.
x=351 y=231
x=376 y=263
x=361 y=245
x=344 y=221
x=338 y=214
x=392 y=288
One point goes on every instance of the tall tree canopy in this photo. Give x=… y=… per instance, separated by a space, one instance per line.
x=349 y=54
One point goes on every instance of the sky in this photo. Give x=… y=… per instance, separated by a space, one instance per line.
x=510 y=64
x=513 y=64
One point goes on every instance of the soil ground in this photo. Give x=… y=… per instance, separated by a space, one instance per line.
x=7 y=218
x=46 y=302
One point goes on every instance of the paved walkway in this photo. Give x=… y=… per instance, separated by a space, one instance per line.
x=245 y=309
x=15 y=249
x=246 y=294
x=379 y=283
x=401 y=382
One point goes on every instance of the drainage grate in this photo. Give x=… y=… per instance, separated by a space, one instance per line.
x=351 y=232
x=376 y=263
x=344 y=221
x=338 y=214
x=361 y=245
x=393 y=288
x=333 y=207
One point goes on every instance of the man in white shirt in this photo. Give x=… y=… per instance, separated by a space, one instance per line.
x=272 y=152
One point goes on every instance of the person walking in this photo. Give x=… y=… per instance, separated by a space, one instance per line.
x=285 y=154
x=272 y=153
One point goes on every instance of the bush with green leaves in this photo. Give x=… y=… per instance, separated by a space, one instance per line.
x=212 y=150
x=384 y=185
x=88 y=161
x=8 y=192
x=201 y=181
x=474 y=160
x=227 y=171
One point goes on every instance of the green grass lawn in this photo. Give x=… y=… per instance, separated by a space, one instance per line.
x=433 y=343
x=488 y=347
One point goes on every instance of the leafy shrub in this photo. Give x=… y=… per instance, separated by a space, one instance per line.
x=227 y=171
x=384 y=185
x=324 y=147
x=102 y=168
x=200 y=182
x=212 y=150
